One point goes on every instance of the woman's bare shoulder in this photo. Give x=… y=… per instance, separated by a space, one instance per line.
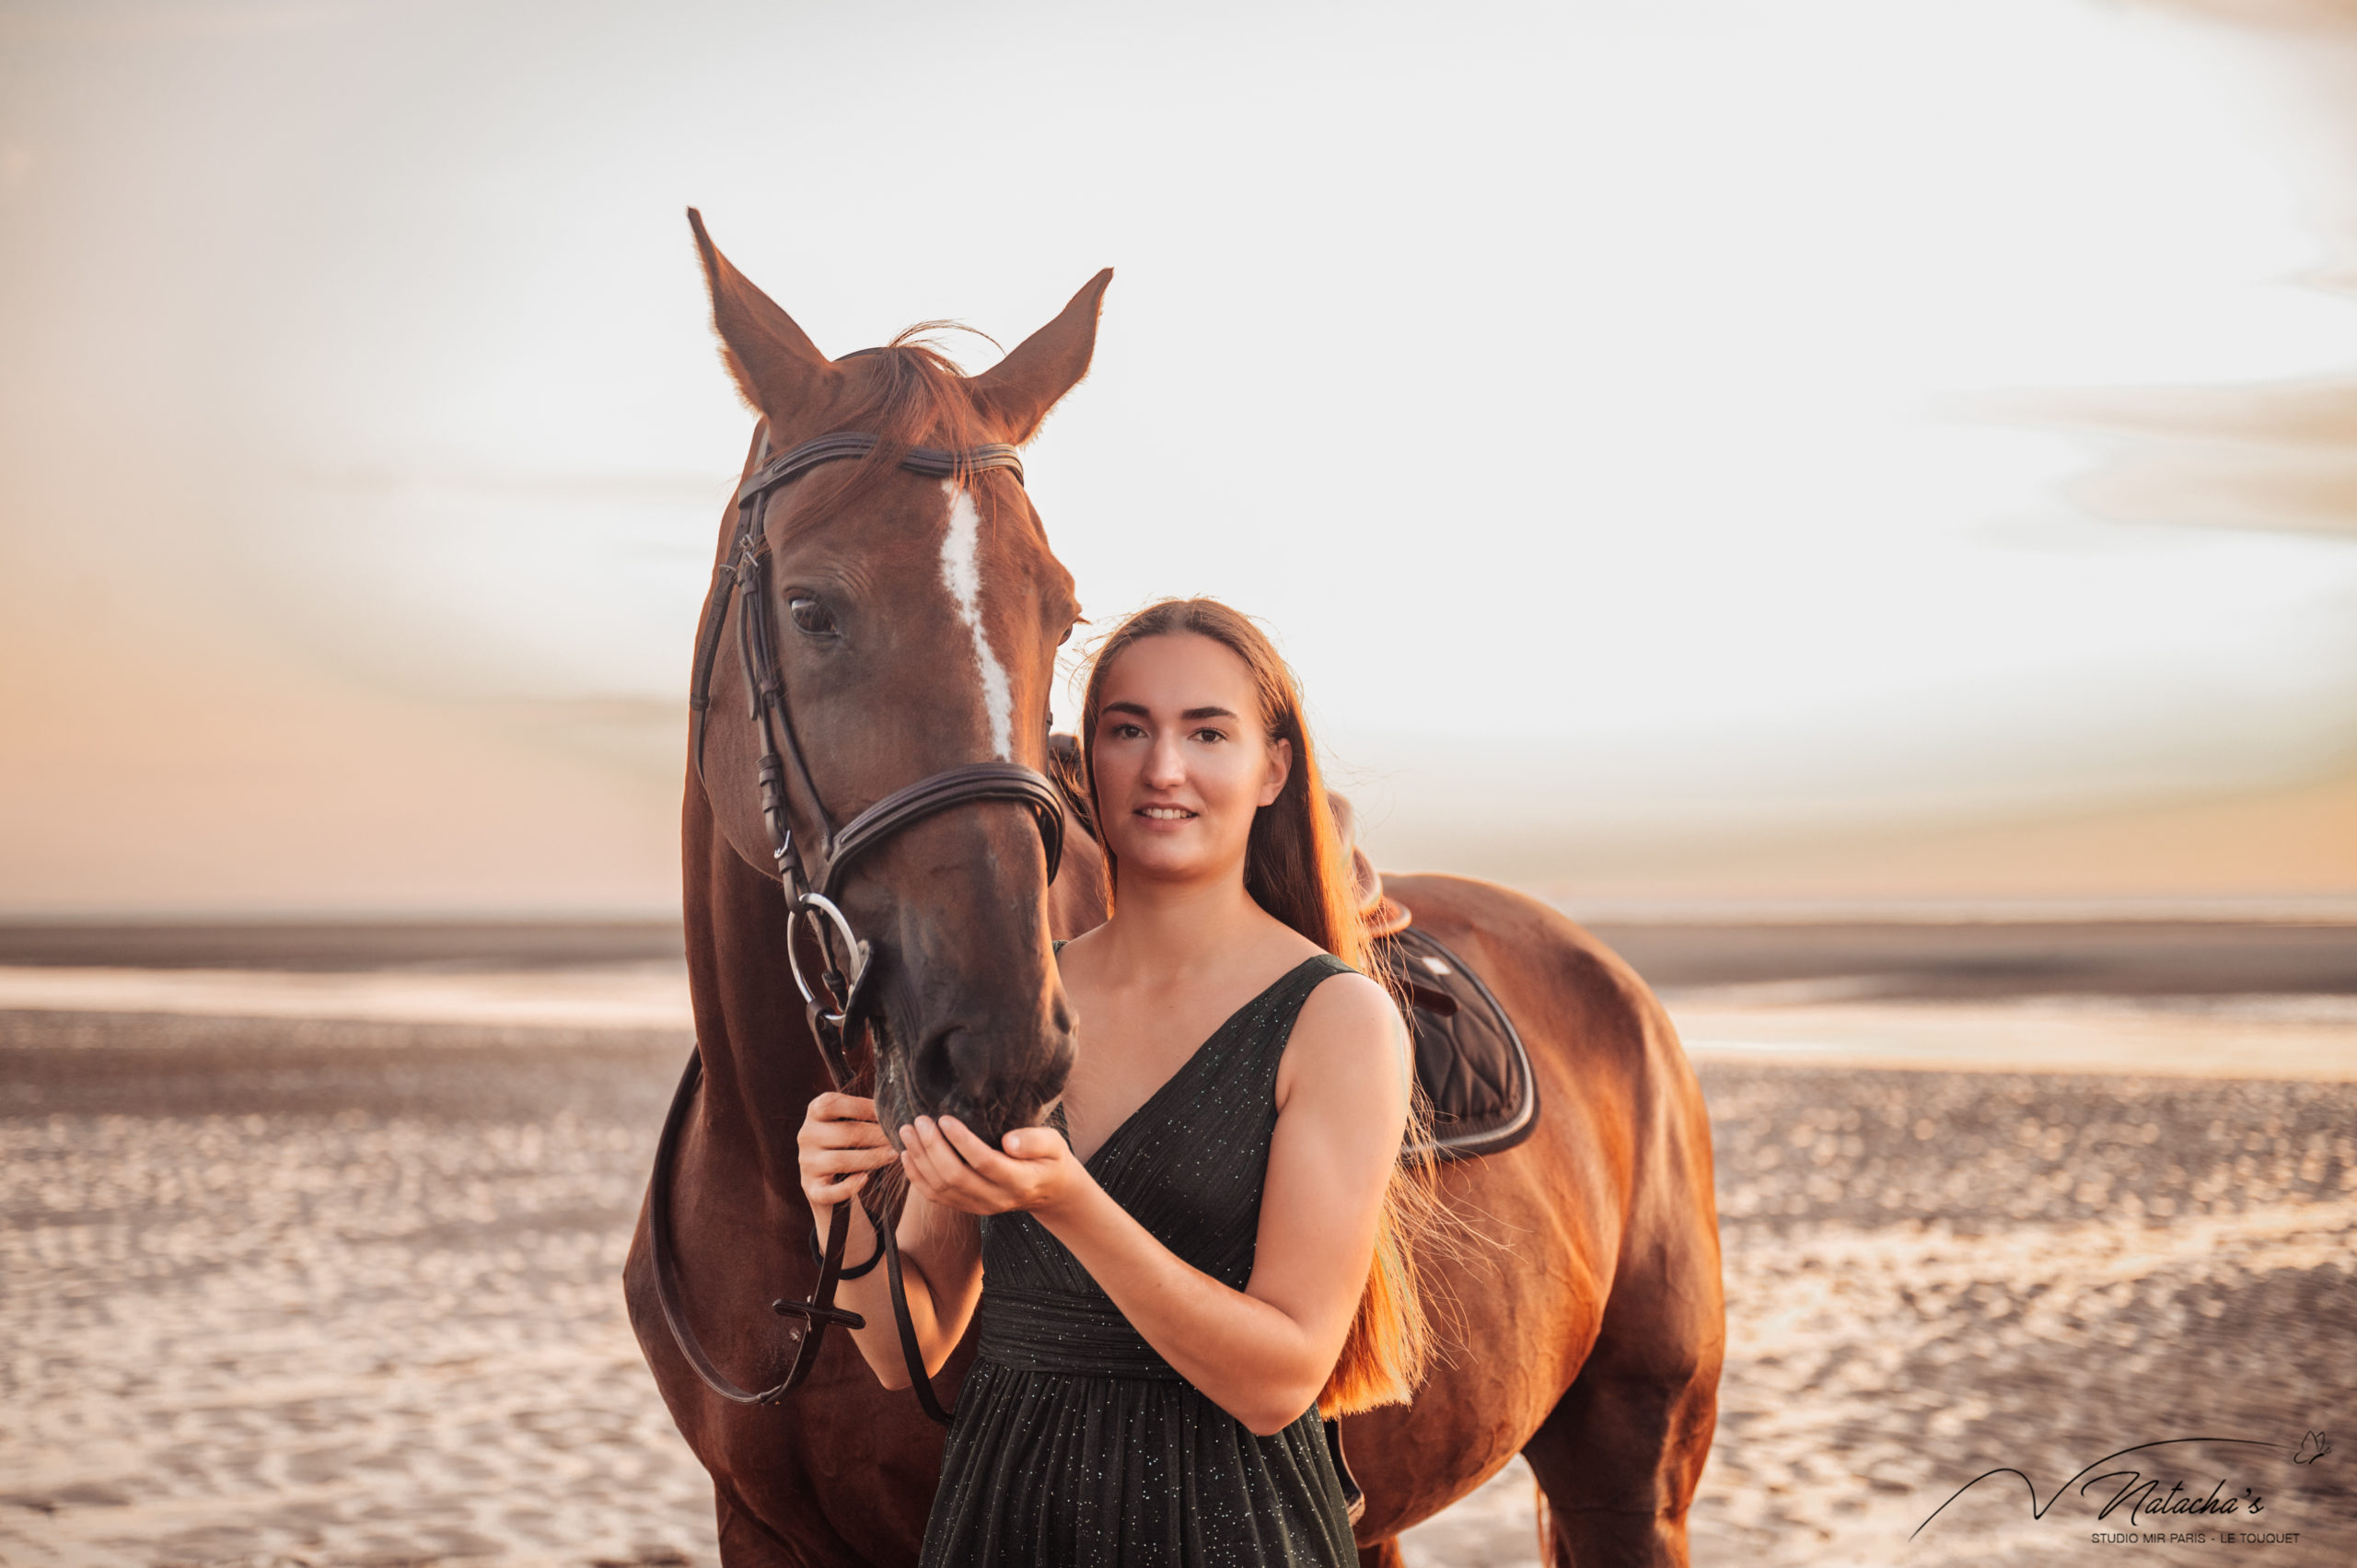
x=1348 y=1006
x=1278 y=946
x=1348 y=1033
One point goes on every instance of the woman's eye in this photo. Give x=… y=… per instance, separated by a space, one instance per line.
x=1127 y=731
x=811 y=618
x=1210 y=734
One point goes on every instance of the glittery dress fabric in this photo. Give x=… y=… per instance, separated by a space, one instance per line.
x=1074 y=1442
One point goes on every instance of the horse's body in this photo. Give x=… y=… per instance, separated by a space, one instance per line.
x=1583 y=1318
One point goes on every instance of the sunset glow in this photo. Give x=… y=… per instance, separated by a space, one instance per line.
x=1611 y=394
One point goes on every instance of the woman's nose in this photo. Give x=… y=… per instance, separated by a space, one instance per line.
x=1165 y=766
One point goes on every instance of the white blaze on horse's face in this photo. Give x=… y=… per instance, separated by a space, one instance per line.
x=961 y=572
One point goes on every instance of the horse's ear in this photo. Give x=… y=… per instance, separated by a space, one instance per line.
x=1023 y=387
x=776 y=365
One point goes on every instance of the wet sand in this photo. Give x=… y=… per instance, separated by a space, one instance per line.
x=286 y=1290
x=1917 y=957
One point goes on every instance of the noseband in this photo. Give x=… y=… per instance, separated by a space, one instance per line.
x=837 y=1000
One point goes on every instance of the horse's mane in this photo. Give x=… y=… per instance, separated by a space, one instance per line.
x=1072 y=779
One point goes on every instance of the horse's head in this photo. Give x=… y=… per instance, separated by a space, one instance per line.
x=914 y=627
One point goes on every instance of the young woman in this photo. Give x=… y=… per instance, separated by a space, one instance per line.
x=1207 y=1243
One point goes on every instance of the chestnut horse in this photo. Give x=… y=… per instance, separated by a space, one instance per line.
x=917 y=621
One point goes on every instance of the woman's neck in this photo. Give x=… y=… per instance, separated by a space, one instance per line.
x=1160 y=927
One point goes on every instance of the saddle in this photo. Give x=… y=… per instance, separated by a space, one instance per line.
x=1470 y=1064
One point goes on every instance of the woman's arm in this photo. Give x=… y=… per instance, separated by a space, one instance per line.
x=941 y=1256
x=1263 y=1353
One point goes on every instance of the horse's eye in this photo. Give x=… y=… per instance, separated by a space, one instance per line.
x=811 y=618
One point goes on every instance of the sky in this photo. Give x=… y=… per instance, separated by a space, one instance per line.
x=1687 y=424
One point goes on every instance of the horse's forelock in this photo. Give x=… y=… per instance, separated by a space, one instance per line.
x=906 y=394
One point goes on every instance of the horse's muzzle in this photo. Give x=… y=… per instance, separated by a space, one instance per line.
x=994 y=1081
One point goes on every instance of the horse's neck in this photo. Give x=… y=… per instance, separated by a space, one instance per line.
x=761 y=1067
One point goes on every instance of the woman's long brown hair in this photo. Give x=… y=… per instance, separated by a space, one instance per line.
x=1295 y=868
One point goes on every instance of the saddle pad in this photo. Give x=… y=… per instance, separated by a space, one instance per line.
x=1469 y=1056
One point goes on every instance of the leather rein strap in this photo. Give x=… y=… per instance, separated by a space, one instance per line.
x=837 y=1003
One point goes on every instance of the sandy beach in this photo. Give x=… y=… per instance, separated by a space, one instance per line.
x=278 y=1288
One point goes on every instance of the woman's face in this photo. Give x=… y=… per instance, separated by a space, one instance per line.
x=1182 y=760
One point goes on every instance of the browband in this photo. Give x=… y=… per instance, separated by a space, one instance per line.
x=930 y=461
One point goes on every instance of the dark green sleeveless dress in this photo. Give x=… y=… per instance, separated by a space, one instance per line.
x=1074 y=1442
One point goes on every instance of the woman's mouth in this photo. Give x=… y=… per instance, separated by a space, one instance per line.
x=1164 y=813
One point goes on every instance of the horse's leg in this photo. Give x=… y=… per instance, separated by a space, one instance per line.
x=1620 y=1454
x=746 y=1542
x=1383 y=1553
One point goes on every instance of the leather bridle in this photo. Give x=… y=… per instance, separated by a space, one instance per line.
x=838 y=1002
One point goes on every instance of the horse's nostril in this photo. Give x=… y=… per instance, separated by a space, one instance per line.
x=933 y=1073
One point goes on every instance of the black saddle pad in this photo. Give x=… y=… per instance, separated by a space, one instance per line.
x=1469 y=1056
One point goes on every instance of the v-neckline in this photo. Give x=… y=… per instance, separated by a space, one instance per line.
x=1089 y=1164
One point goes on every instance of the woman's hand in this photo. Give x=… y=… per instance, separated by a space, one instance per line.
x=839 y=1148
x=949 y=1162
x=839 y=1144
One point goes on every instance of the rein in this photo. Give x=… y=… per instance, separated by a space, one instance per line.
x=837 y=1003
